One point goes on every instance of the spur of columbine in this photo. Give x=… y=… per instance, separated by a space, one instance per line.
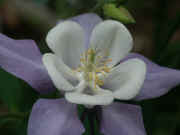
x=92 y=75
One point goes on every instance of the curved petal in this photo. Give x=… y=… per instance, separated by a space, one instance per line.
x=112 y=38
x=23 y=59
x=122 y=119
x=102 y=97
x=67 y=41
x=159 y=80
x=87 y=21
x=54 y=117
x=58 y=72
x=126 y=79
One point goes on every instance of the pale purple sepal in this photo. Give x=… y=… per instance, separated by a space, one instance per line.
x=87 y=21
x=23 y=59
x=122 y=119
x=159 y=80
x=54 y=117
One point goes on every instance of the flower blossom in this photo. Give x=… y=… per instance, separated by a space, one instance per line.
x=91 y=75
x=91 y=64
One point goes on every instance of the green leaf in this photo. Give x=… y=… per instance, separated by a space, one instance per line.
x=15 y=93
x=121 y=14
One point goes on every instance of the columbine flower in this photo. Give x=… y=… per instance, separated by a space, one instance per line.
x=90 y=75
x=59 y=117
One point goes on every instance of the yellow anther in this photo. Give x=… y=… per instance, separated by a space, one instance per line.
x=98 y=70
x=109 y=60
x=99 y=57
x=106 y=69
x=92 y=64
x=98 y=81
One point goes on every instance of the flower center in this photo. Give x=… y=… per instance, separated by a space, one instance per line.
x=94 y=63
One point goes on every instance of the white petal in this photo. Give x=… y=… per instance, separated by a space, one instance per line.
x=58 y=72
x=112 y=37
x=103 y=97
x=67 y=41
x=126 y=79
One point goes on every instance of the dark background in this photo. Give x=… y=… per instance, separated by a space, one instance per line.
x=156 y=34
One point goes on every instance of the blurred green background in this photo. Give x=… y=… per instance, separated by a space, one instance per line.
x=156 y=34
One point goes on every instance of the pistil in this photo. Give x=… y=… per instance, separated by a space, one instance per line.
x=92 y=65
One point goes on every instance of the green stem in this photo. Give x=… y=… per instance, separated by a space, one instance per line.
x=91 y=125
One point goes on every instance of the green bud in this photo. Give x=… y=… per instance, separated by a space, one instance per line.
x=121 y=14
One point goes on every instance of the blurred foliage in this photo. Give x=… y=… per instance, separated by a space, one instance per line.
x=33 y=18
x=18 y=96
x=119 y=13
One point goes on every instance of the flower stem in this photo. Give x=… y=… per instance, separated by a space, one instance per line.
x=93 y=115
x=91 y=120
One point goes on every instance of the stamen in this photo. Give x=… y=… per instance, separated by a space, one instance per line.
x=90 y=75
x=92 y=64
